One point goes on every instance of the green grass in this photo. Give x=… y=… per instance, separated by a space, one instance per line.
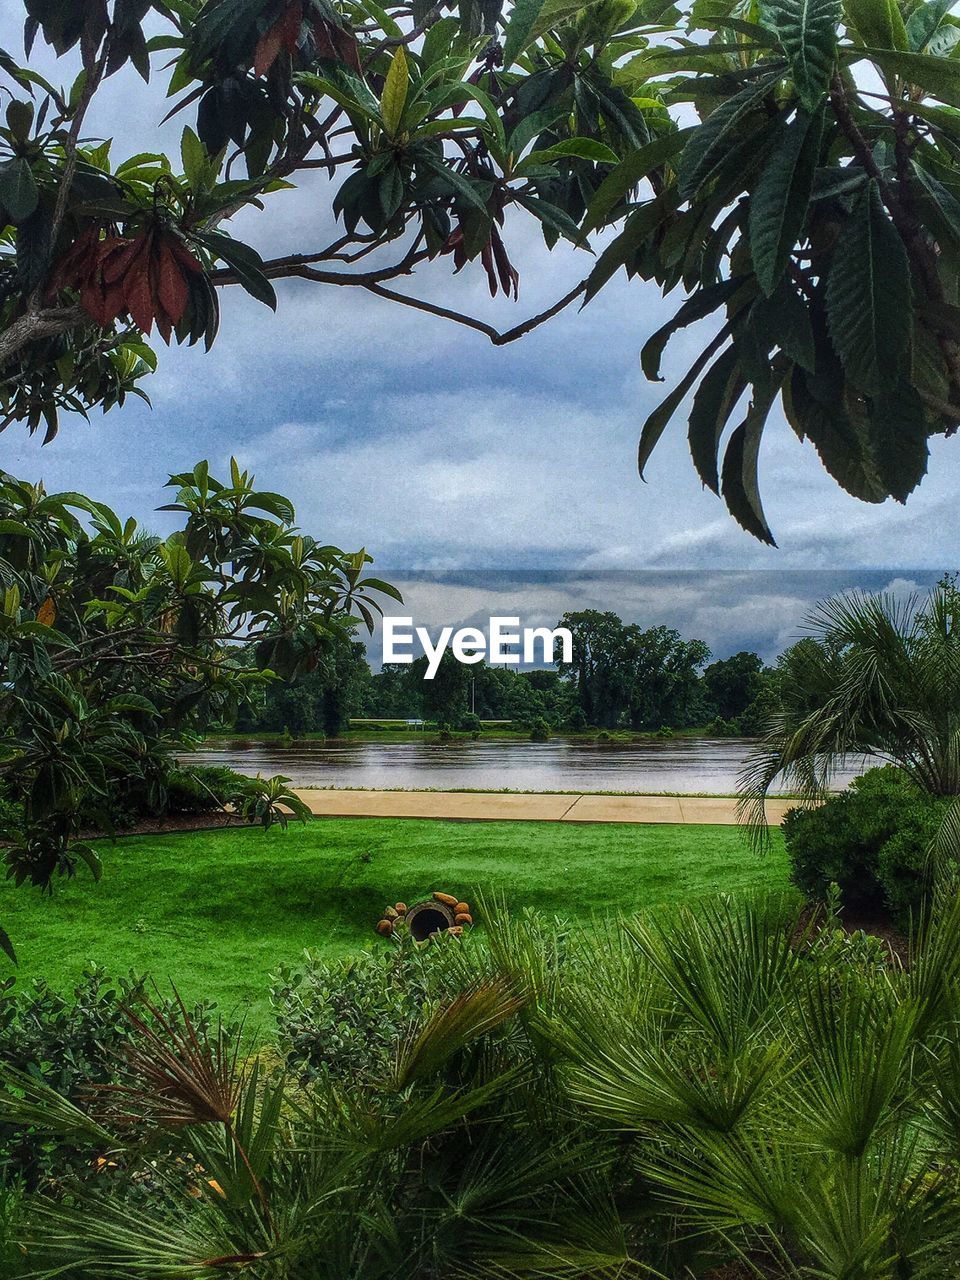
x=217 y=911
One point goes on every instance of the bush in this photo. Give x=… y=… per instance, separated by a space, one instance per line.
x=576 y=721
x=347 y=1020
x=872 y=839
x=200 y=788
x=471 y=723
x=71 y=1043
x=539 y=730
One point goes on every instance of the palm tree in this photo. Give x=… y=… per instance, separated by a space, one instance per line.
x=879 y=676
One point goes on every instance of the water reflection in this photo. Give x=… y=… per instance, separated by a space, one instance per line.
x=678 y=764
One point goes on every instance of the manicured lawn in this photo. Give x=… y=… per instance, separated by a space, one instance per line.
x=217 y=911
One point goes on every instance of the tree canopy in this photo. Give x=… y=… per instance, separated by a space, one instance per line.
x=790 y=166
x=650 y=677
x=115 y=644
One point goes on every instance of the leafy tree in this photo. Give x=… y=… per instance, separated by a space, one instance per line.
x=732 y=683
x=619 y=671
x=393 y=694
x=317 y=701
x=596 y=672
x=116 y=646
x=878 y=677
x=792 y=166
x=664 y=681
x=445 y=698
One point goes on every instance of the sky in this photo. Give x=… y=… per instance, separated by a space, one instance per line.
x=437 y=451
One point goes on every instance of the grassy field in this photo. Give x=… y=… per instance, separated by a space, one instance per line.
x=218 y=910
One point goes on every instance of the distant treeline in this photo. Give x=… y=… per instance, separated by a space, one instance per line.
x=621 y=677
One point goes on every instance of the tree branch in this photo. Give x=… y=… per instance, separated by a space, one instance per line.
x=498 y=338
x=39 y=324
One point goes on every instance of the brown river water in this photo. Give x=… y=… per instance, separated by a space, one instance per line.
x=690 y=765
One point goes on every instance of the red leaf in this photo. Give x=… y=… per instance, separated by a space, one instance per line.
x=268 y=46
x=137 y=295
x=172 y=288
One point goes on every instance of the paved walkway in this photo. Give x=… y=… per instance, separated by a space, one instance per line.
x=491 y=806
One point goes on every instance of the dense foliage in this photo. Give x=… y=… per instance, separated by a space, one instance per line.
x=116 y=645
x=878 y=676
x=622 y=677
x=70 y=1043
x=876 y=840
x=791 y=166
x=650 y=676
x=716 y=1084
x=320 y=700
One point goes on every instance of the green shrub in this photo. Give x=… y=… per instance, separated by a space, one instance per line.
x=872 y=840
x=11 y=1256
x=72 y=1044
x=471 y=723
x=539 y=730
x=576 y=720
x=347 y=1019
x=200 y=788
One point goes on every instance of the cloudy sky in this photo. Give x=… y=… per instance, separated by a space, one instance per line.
x=420 y=440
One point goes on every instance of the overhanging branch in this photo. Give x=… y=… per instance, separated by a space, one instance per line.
x=497 y=337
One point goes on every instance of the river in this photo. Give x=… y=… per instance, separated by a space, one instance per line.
x=689 y=765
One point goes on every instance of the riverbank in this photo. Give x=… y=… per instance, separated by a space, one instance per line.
x=400 y=731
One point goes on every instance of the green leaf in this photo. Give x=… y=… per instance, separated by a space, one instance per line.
x=641 y=224
x=879 y=23
x=460 y=185
x=939 y=76
x=523 y=16
x=723 y=129
x=657 y=422
x=531 y=125
x=778 y=205
x=630 y=171
x=394 y=97
x=90 y=857
x=453 y=95
x=785 y=318
x=552 y=217
x=20 y=118
x=900 y=440
x=722 y=386
x=580 y=148
x=343 y=85
x=740 y=484
x=924 y=21
x=697 y=307
x=837 y=180
x=947 y=204
x=842 y=449
x=18 y=189
x=869 y=308
x=193 y=156
x=246 y=263
x=18 y=530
